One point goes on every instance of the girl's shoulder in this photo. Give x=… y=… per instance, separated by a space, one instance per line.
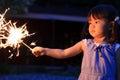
x=117 y=46
x=87 y=41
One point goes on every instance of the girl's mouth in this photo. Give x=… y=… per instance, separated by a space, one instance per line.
x=92 y=30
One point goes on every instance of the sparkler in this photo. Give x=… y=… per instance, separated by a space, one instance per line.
x=11 y=35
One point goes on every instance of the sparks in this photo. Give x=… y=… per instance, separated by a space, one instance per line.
x=16 y=35
x=11 y=35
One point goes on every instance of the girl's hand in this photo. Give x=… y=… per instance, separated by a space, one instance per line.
x=38 y=51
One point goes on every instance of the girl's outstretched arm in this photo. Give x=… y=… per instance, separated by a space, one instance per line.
x=59 y=53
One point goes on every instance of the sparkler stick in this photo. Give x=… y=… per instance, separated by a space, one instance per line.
x=27 y=46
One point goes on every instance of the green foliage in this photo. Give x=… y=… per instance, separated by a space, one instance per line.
x=76 y=4
x=16 y=6
x=21 y=6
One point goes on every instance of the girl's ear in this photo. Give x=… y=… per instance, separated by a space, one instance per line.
x=111 y=25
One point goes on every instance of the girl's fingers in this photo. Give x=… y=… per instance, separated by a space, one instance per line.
x=38 y=51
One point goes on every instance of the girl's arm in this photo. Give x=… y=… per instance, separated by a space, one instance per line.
x=59 y=53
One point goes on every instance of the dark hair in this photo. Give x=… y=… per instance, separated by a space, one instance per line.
x=85 y=33
x=109 y=13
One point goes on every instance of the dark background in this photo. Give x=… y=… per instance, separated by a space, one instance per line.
x=52 y=32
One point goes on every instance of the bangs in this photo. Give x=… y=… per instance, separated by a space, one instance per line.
x=96 y=14
x=103 y=12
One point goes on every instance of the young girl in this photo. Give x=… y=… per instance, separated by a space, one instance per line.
x=99 y=61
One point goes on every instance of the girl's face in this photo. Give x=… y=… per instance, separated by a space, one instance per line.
x=98 y=28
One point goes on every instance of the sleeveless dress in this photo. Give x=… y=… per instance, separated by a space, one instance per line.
x=98 y=61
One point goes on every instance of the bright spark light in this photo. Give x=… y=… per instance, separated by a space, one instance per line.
x=16 y=35
x=33 y=44
x=11 y=35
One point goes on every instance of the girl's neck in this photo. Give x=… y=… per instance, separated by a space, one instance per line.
x=101 y=40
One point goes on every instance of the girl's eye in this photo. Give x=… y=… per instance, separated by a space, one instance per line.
x=96 y=22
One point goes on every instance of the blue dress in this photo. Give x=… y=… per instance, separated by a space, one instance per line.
x=98 y=61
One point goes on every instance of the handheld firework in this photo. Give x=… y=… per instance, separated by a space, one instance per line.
x=11 y=35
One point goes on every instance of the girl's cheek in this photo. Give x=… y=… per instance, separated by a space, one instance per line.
x=89 y=28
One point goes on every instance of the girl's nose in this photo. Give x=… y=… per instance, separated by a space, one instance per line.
x=93 y=26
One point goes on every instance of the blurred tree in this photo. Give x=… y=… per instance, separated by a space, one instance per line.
x=21 y=6
x=115 y=3
x=16 y=6
x=76 y=4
